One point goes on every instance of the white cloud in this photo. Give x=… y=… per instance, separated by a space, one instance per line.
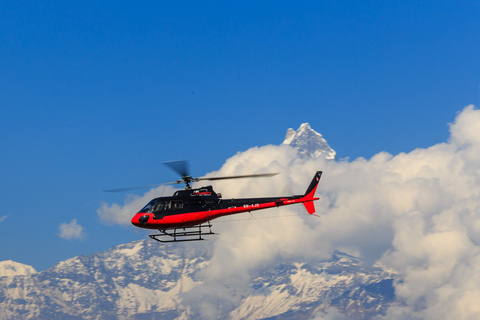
x=3 y=218
x=417 y=212
x=71 y=230
x=117 y=214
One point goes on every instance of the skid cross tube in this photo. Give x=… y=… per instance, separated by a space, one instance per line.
x=185 y=235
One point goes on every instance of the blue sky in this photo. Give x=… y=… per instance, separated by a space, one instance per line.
x=95 y=96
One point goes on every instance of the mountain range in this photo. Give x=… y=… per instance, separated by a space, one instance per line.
x=146 y=280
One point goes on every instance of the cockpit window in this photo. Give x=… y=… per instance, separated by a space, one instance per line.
x=177 y=204
x=162 y=205
x=149 y=207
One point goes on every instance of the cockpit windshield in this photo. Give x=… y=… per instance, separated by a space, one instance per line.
x=149 y=207
x=157 y=205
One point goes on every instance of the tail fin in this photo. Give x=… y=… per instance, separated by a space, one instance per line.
x=309 y=194
x=313 y=185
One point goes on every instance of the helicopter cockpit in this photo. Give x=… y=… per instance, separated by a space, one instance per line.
x=160 y=205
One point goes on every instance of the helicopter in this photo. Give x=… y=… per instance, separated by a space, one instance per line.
x=186 y=215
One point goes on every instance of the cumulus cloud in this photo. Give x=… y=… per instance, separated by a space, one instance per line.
x=417 y=212
x=122 y=214
x=71 y=230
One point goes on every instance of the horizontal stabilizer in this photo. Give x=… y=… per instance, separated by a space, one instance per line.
x=309 y=206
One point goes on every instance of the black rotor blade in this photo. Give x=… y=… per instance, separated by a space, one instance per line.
x=179 y=166
x=133 y=188
x=174 y=182
x=259 y=175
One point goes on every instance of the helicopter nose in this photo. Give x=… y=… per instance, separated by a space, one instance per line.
x=134 y=220
x=140 y=220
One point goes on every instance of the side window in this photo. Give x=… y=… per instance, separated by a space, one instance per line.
x=177 y=205
x=162 y=206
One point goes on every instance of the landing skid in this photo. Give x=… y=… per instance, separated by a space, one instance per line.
x=183 y=234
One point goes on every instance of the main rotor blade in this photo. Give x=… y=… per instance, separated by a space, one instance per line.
x=133 y=188
x=259 y=175
x=179 y=166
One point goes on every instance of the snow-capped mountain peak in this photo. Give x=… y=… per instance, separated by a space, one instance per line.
x=11 y=268
x=309 y=143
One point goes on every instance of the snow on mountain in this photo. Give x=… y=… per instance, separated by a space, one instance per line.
x=11 y=268
x=145 y=279
x=300 y=290
x=309 y=143
x=122 y=283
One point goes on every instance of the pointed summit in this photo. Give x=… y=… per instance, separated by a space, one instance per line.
x=309 y=143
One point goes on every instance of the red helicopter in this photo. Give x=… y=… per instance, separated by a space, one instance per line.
x=185 y=215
